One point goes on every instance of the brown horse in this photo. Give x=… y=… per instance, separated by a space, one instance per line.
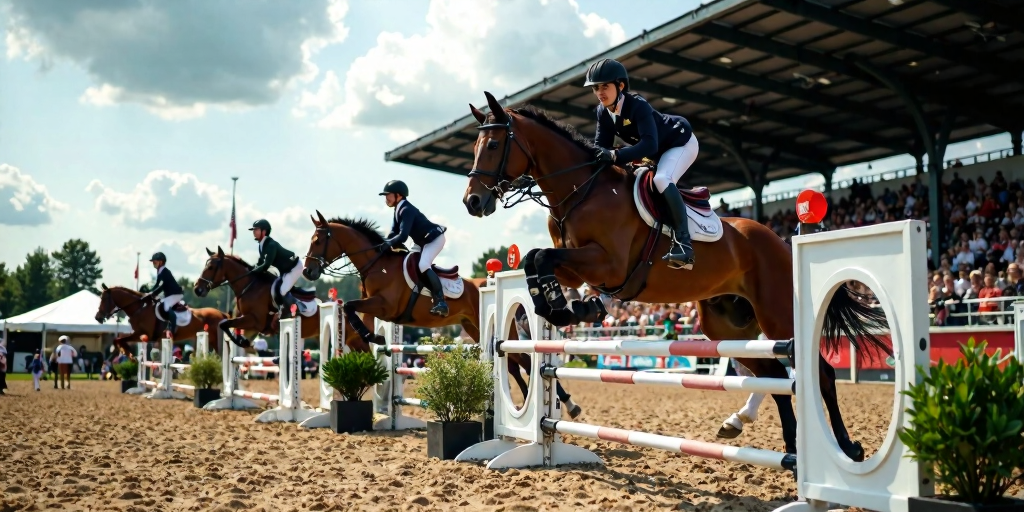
x=141 y=315
x=386 y=294
x=743 y=283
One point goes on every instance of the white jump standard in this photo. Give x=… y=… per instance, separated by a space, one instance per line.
x=888 y=258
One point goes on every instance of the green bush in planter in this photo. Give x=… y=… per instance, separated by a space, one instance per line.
x=967 y=420
x=127 y=370
x=205 y=371
x=353 y=373
x=458 y=386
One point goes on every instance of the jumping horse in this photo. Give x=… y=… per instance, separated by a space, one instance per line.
x=742 y=283
x=386 y=293
x=141 y=313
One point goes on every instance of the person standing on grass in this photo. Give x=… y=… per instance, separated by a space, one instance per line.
x=35 y=367
x=66 y=355
x=3 y=366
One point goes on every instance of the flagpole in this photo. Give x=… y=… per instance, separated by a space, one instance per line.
x=231 y=244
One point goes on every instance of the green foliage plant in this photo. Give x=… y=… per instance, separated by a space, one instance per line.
x=205 y=371
x=459 y=385
x=966 y=422
x=127 y=370
x=352 y=374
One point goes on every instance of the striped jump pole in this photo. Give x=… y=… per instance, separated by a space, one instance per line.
x=166 y=389
x=888 y=258
x=388 y=396
x=290 y=407
x=332 y=339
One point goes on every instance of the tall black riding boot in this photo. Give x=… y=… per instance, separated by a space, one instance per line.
x=680 y=255
x=437 y=293
x=172 y=320
x=286 y=305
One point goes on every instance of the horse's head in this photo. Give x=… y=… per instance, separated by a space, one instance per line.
x=500 y=159
x=107 y=306
x=213 y=273
x=321 y=250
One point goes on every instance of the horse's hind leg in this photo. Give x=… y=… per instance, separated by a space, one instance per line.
x=853 y=450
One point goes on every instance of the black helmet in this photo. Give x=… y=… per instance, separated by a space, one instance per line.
x=606 y=70
x=261 y=224
x=396 y=187
x=158 y=256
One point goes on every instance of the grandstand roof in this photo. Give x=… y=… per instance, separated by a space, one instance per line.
x=794 y=83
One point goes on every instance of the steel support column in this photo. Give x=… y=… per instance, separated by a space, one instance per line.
x=934 y=144
x=1015 y=139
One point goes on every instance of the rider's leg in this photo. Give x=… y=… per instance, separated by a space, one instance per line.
x=169 y=314
x=287 y=282
x=671 y=167
x=427 y=255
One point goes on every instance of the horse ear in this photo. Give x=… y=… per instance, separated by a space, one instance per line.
x=499 y=112
x=220 y=252
x=323 y=221
x=480 y=116
x=315 y=223
x=209 y=252
x=104 y=285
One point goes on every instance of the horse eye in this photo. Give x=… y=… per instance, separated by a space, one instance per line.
x=492 y=144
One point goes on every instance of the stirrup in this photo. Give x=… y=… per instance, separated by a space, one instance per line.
x=679 y=260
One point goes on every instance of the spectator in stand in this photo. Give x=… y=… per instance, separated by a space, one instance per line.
x=3 y=365
x=965 y=256
x=989 y=291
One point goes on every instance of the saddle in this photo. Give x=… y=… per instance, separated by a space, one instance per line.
x=412 y=264
x=179 y=307
x=704 y=224
x=301 y=295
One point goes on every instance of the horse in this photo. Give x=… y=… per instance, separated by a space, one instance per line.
x=141 y=314
x=742 y=283
x=386 y=294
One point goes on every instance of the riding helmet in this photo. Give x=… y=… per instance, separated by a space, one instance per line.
x=396 y=187
x=158 y=256
x=607 y=70
x=261 y=224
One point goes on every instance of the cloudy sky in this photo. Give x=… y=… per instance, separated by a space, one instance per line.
x=123 y=121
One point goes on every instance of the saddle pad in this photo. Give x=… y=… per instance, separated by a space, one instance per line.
x=182 y=318
x=306 y=308
x=453 y=288
x=704 y=225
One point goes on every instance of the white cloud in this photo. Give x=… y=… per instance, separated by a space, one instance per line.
x=406 y=83
x=178 y=58
x=527 y=227
x=23 y=202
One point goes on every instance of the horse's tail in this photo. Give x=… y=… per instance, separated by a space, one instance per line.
x=851 y=315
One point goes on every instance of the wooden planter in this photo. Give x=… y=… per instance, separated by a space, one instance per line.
x=204 y=396
x=445 y=440
x=348 y=417
x=128 y=384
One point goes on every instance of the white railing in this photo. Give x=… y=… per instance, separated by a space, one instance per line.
x=975 y=317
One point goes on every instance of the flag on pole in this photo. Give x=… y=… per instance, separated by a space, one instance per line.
x=234 y=228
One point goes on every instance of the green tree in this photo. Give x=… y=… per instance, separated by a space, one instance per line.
x=76 y=267
x=10 y=293
x=480 y=267
x=36 y=279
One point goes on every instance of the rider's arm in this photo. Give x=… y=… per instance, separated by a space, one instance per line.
x=405 y=220
x=266 y=258
x=643 y=116
x=605 y=135
x=159 y=285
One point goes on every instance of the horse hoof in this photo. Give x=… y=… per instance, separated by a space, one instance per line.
x=729 y=432
x=575 y=411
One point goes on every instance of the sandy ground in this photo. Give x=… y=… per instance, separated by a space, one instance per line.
x=92 y=448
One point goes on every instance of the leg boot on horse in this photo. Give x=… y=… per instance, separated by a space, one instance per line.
x=681 y=253
x=437 y=293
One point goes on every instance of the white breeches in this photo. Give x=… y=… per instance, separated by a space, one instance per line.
x=288 y=280
x=430 y=251
x=674 y=163
x=170 y=300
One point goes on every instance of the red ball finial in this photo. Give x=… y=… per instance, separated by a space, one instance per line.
x=811 y=206
x=206 y=327
x=144 y=338
x=513 y=256
x=332 y=293
x=494 y=265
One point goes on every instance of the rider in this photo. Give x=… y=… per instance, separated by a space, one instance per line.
x=172 y=291
x=666 y=138
x=288 y=266
x=409 y=222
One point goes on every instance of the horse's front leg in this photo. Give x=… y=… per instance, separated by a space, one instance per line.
x=244 y=322
x=546 y=291
x=122 y=342
x=373 y=307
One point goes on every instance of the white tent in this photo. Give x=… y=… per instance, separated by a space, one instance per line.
x=74 y=314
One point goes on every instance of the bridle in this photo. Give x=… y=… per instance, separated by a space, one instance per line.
x=210 y=285
x=521 y=187
x=325 y=264
x=108 y=299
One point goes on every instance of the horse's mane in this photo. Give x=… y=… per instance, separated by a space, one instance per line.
x=263 y=276
x=366 y=227
x=124 y=289
x=567 y=131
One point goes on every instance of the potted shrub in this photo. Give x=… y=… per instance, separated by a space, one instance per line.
x=351 y=375
x=966 y=422
x=128 y=371
x=205 y=372
x=457 y=388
